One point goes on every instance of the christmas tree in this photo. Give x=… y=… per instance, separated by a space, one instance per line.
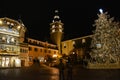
x=105 y=45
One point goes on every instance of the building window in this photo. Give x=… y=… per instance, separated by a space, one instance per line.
x=64 y=45
x=35 y=49
x=3 y=39
x=26 y=51
x=53 y=26
x=13 y=48
x=60 y=26
x=54 y=52
x=83 y=41
x=34 y=42
x=73 y=42
x=45 y=51
x=21 y=50
x=60 y=30
x=30 y=49
x=1 y=22
x=30 y=41
x=40 y=50
x=12 y=39
x=30 y=59
x=53 y=30
x=49 y=51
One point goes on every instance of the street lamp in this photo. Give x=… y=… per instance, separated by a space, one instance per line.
x=54 y=55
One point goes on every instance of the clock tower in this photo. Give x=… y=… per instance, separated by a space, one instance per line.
x=56 y=30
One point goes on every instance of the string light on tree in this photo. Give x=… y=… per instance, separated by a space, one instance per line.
x=105 y=42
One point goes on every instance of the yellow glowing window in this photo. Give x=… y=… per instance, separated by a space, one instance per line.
x=1 y=22
x=53 y=30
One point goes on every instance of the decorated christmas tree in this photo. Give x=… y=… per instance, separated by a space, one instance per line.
x=105 y=45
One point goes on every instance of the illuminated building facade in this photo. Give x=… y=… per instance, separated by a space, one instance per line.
x=14 y=52
x=11 y=35
x=24 y=54
x=79 y=46
x=56 y=30
x=41 y=51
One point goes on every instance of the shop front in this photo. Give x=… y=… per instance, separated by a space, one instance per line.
x=12 y=33
x=9 y=61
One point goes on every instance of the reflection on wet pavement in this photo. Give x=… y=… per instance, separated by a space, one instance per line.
x=31 y=73
x=47 y=73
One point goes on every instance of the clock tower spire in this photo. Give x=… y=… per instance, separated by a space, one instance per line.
x=56 y=30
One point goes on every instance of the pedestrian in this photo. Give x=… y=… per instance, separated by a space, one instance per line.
x=61 y=70
x=69 y=71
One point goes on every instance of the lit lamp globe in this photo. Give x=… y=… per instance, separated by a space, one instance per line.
x=54 y=55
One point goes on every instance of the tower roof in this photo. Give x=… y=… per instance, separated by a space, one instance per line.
x=56 y=17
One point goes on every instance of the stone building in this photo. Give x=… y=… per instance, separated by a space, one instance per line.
x=11 y=35
x=41 y=50
x=78 y=46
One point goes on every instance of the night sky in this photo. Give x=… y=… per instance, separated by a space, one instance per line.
x=77 y=16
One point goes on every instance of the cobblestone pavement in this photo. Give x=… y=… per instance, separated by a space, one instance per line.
x=80 y=73
x=32 y=73
x=43 y=72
